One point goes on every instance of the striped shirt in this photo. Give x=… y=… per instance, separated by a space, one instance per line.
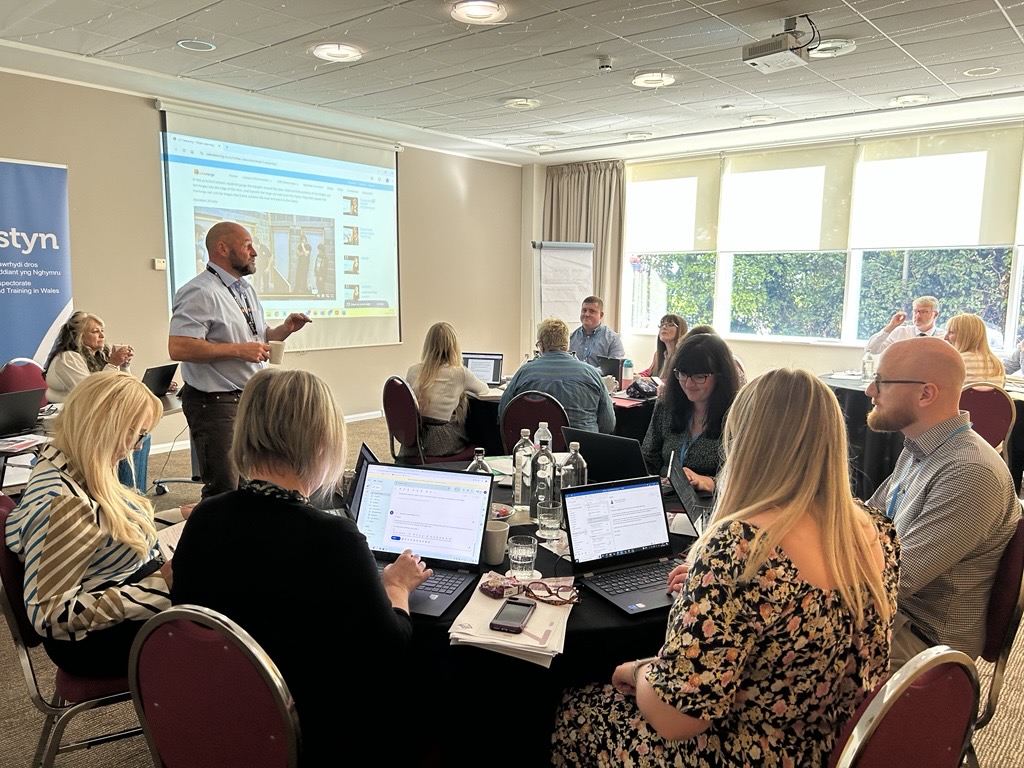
x=77 y=578
x=954 y=506
x=451 y=382
x=981 y=367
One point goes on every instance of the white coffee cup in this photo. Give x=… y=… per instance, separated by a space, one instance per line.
x=495 y=539
x=276 y=352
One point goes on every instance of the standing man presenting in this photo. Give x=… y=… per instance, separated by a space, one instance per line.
x=592 y=338
x=219 y=334
x=950 y=497
x=926 y=312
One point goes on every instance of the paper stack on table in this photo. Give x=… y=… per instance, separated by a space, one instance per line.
x=540 y=642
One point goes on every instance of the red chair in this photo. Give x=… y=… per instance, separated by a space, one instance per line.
x=525 y=411
x=402 y=414
x=72 y=694
x=208 y=695
x=22 y=373
x=920 y=717
x=1005 y=606
x=992 y=411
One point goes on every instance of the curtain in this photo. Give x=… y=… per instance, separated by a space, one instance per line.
x=585 y=203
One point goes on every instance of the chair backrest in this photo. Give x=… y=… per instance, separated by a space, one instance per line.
x=12 y=577
x=921 y=717
x=525 y=411
x=1005 y=606
x=21 y=373
x=402 y=415
x=208 y=695
x=992 y=412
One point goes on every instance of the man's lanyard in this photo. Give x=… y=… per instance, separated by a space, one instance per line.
x=900 y=491
x=246 y=309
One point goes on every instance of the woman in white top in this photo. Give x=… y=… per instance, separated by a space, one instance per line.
x=441 y=383
x=967 y=333
x=81 y=350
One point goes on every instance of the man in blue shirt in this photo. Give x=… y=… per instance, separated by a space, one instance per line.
x=592 y=338
x=576 y=385
x=219 y=334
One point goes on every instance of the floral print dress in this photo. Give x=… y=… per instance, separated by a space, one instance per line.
x=775 y=664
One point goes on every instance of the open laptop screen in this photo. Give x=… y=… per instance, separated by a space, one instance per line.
x=612 y=523
x=485 y=365
x=439 y=514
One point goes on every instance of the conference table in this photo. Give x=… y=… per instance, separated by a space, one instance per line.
x=873 y=455
x=632 y=418
x=509 y=701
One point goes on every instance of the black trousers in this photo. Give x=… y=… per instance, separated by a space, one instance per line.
x=211 y=419
x=103 y=653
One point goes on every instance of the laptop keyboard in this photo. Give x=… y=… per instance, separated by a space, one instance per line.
x=439 y=583
x=634 y=578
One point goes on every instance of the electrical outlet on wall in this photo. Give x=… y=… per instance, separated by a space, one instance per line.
x=160 y=264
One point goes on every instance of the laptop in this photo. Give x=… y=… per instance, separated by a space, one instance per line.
x=486 y=366
x=610 y=366
x=697 y=507
x=159 y=379
x=608 y=457
x=354 y=489
x=440 y=514
x=19 y=411
x=619 y=543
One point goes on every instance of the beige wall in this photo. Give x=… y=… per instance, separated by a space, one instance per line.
x=460 y=236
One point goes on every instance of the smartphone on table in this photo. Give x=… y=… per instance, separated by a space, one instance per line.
x=513 y=614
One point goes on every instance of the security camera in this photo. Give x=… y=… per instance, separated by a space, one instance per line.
x=604 y=64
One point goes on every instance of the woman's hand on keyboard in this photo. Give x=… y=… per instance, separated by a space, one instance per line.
x=677 y=578
x=406 y=573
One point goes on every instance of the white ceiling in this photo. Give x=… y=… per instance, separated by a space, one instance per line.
x=428 y=80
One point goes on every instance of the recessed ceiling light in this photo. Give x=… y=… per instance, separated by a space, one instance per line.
x=521 y=103
x=199 y=46
x=542 y=148
x=555 y=132
x=982 y=71
x=653 y=80
x=478 y=12
x=829 y=49
x=758 y=120
x=639 y=136
x=337 y=52
x=908 y=100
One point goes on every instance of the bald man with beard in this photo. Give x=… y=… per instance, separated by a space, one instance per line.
x=950 y=497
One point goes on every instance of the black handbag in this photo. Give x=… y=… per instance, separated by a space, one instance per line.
x=642 y=389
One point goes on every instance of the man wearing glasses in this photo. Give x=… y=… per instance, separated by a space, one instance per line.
x=950 y=497
x=592 y=339
x=926 y=312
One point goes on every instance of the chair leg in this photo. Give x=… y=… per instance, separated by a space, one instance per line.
x=971 y=758
x=44 y=738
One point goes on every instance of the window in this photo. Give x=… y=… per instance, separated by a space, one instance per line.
x=680 y=283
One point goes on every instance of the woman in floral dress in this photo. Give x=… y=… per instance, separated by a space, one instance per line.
x=784 y=610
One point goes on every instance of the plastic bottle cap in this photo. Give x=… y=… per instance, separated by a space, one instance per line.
x=524 y=433
x=574 y=446
x=542 y=424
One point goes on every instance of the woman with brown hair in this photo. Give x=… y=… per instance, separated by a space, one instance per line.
x=671 y=330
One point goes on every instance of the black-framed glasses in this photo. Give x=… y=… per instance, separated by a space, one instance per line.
x=142 y=436
x=563 y=594
x=879 y=381
x=696 y=378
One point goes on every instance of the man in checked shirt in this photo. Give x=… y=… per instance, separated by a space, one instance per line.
x=950 y=496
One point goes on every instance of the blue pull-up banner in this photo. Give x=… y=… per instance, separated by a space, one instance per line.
x=35 y=258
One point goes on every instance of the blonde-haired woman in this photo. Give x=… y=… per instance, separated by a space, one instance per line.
x=969 y=336
x=93 y=572
x=441 y=383
x=315 y=570
x=781 y=624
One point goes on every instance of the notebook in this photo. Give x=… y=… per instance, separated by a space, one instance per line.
x=486 y=366
x=619 y=544
x=608 y=457
x=440 y=514
x=697 y=507
x=354 y=489
x=19 y=411
x=610 y=366
x=159 y=379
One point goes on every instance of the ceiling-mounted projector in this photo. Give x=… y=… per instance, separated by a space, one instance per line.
x=775 y=54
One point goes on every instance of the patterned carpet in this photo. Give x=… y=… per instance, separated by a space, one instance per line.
x=999 y=745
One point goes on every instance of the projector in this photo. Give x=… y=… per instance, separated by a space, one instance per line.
x=775 y=54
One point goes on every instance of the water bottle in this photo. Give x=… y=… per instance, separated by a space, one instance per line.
x=542 y=487
x=627 y=373
x=574 y=468
x=479 y=464
x=522 y=456
x=542 y=433
x=867 y=367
